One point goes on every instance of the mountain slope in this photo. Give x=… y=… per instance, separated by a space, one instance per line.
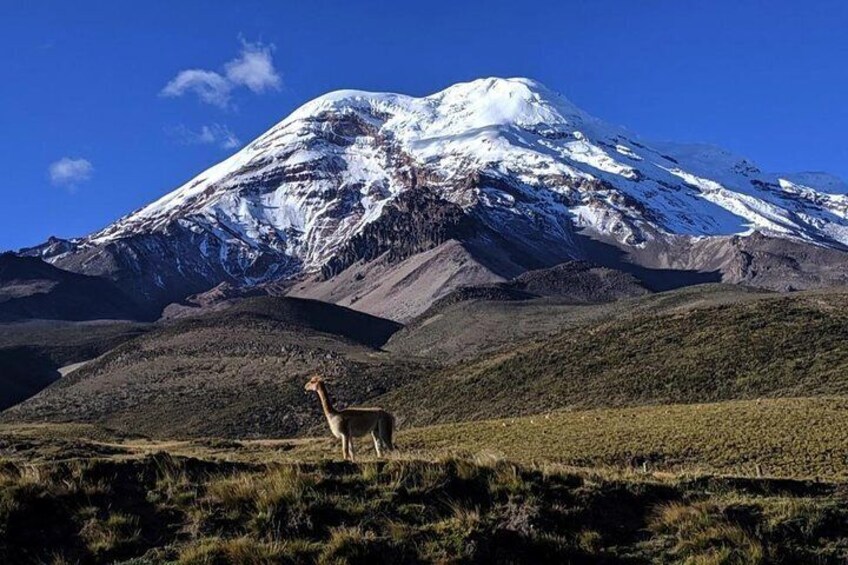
x=515 y=173
x=31 y=288
x=471 y=326
x=240 y=372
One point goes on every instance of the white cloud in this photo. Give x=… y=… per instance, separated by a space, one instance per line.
x=209 y=86
x=213 y=134
x=70 y=172
x=253 y=69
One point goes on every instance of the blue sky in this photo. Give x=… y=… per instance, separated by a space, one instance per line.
x=98 y=117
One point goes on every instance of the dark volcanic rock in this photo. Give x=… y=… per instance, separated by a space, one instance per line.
x=417 y=221
x=160 y=268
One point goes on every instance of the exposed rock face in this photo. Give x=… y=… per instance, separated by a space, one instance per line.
x=163 y=267
x=756 y=260
x=785 y=265
x=511 y=172
x=416 y=221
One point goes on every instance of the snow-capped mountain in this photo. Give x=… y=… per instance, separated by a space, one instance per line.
x=512 y=170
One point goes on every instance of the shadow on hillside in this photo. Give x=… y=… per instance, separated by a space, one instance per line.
x=658 y=280
x=511 y=259
x=23 y=373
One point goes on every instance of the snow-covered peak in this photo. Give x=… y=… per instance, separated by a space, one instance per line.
x=495 y=101
x=457 y=109
x=503 y=149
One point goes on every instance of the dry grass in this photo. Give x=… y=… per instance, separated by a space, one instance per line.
x=162 y=508
x=235 y=550
x=797 y=437
x=792 y=437
x=702 y=534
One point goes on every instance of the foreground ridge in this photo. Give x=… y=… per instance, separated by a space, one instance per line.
x=407 y=511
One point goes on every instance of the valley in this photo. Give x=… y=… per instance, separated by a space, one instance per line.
x=472 y=359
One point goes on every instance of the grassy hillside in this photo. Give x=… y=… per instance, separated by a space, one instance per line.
x=790 y=438
x=234 y=373
x=779 y=346
x=305 y=314
x=63 y=343
x=31 y=353
x=239 y=372
x=734 y=482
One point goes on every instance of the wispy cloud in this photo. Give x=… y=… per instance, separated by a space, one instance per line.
x=213 y=134
x=252 y=69
x=209 y=86
x=69 y=173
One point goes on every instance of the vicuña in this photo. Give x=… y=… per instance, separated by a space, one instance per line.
x=355 y=422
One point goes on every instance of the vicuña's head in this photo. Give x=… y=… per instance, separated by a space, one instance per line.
x=312 y=384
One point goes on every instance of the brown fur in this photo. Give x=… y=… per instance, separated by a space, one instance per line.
x=354 y=422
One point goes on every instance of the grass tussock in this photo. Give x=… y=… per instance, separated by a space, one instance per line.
x=702 y=533
x=246 y=550
x=190 y=511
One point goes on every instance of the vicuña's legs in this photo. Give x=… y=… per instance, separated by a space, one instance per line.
x=350 y=448
x=345 y=447
x=384 y=429
x=377 y=443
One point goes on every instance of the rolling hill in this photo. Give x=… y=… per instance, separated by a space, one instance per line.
x=234 y=372
x=771 y=346
x=239 y=372
x=33 y=289
x=35 y=353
